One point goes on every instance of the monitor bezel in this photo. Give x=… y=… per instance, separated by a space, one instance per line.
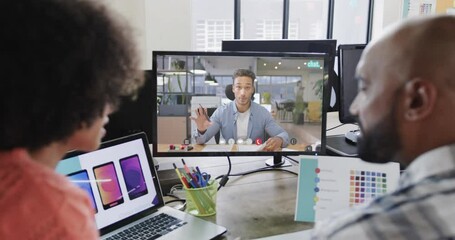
x=275 y=154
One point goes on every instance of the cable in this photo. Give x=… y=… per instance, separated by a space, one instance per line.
x=292 y=159
x=262 y=169
x=340 y=126
x=337 y=126
x=175 y=200
x=225 y=178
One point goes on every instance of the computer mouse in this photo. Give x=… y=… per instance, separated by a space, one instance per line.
x=352 y=136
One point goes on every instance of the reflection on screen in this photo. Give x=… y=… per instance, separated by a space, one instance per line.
x=81 y=180
x=290 y=88
x=134 y=178
x=108 y=185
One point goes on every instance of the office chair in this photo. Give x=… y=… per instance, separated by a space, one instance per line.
x=228 y=91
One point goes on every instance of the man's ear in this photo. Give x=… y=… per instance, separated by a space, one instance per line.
x=420 y=98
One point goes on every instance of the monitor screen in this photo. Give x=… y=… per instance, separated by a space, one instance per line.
x=327 y=46
x=289 y=90
x=349 y=56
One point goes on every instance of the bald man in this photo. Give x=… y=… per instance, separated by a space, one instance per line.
x=406 y=109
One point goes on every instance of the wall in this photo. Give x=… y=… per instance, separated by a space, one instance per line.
x=386 y=12
x=133 y=12
x=168 y=26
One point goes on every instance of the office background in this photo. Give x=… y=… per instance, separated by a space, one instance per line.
x=201 y=25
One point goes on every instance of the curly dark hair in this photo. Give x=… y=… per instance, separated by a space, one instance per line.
x=61 y=62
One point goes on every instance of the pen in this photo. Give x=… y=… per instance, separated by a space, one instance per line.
x=187 y=170
x=182 y=178
x=193 y=183
x=205 y=113
x=191 y=177
x=185 y=182
x=198 y=170
x=177 y=171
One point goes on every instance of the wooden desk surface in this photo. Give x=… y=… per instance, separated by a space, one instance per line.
x=256 y=205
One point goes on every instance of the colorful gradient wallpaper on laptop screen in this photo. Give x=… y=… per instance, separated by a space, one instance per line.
x=134 y=177
x=108 y=185
x=81 y=179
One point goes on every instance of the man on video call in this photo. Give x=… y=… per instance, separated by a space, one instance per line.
x=241 y=119
x=405 y=107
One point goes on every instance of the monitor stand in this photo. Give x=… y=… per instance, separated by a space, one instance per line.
x=277 y=161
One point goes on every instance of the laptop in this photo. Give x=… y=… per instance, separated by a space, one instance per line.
x=125 y=193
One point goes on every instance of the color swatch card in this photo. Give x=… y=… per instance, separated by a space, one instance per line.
x=329 y=184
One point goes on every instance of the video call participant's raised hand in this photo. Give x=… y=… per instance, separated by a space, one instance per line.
x=273 y=144
x=202 y=119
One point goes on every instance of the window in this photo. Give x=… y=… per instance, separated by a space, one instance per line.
x=308 y=19
x=212 y=21
x=350 y=21
x=210 y=33
x=261 y=19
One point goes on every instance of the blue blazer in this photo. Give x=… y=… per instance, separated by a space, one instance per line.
x=260 y=123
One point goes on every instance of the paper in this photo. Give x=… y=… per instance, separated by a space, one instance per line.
x=250 y=147
x=328 y=184
x=217 y=148
x=418 y=7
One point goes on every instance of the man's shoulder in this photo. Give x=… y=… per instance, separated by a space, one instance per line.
x=258 y=108
x=226 y=108
x=412 y=210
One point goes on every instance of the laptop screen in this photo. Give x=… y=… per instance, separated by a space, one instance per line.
x=118 y=177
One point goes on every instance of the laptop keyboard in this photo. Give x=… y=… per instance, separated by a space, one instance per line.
x=151 y=228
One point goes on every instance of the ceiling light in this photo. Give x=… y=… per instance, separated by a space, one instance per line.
x=198 y=68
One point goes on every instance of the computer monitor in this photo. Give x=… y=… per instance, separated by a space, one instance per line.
x=327 y=46
x=135 y=113
x=291 y=85
x=349 y=56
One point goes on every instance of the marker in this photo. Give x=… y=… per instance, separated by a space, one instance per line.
x=187 y=170
x=191 y=178
x=185 y=182
x=205 y=113
x=182 y=178
x=198 y=170
x=177 y=170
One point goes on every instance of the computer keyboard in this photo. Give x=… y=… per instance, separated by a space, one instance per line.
x=151 y=228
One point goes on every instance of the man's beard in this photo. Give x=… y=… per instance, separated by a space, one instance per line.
x=382 y=143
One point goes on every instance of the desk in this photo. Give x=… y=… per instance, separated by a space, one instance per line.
x=336 y=142
x=256 y=205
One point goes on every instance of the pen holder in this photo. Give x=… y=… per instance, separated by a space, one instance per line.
x=202 y=201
